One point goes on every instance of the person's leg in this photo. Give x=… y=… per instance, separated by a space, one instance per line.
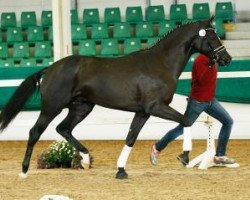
x=169 y=137
x=163 y=142
x=218 y=112
x=184 y=156
x=193 y=110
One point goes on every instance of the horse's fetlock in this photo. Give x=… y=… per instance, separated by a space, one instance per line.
x=58 y=129
x=25 y=168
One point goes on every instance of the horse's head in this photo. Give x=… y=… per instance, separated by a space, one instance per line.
x=208 y=43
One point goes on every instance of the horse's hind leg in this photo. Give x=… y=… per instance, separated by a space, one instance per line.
x=135 y=128
x=78 y=110
x=34 y=135
x=166 y=112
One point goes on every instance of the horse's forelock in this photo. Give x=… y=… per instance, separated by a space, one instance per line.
x=205 y=24
x=209 y=22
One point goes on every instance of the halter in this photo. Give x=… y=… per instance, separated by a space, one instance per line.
x=216 y=51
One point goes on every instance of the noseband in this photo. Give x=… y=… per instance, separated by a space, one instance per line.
x=218 y=50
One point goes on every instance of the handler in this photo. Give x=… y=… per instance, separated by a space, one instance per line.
x=202 y=98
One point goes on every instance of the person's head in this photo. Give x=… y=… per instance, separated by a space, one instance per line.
x=208 y=43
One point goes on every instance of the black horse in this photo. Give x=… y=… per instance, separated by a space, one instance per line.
x=142 y=82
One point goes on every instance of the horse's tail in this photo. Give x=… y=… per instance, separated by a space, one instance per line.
x=19 y=98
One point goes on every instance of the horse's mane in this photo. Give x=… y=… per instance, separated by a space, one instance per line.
x=171 y=32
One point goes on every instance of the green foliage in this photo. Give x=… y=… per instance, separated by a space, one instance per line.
x=59 y=154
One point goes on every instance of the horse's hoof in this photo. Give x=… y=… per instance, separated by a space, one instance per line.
x=85 y=162
x=121 y=174
x=85 y=165
x=23 y=175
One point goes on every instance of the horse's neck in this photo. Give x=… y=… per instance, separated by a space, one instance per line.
x=176 y=52
x=176 y=58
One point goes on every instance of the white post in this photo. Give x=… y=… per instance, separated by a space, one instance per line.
x=205 y=160
x=61 y=29
x=208 y=159
x=66 y=28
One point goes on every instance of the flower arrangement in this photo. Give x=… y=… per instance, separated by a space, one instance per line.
x=59 y=154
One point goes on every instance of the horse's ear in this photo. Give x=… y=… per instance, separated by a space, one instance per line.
x=211 y=18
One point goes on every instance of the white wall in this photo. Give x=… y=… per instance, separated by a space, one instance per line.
x=242 y=9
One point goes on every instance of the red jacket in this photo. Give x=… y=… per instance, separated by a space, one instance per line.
x=203 y=84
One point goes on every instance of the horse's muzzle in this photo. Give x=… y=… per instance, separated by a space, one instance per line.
x=223 y=59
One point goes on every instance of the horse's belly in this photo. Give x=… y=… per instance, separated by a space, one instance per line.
x=112 y=95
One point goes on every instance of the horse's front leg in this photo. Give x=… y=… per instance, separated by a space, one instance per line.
x=138 y=121
x=166 y=112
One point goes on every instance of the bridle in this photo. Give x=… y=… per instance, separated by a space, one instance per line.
x=214 y=55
